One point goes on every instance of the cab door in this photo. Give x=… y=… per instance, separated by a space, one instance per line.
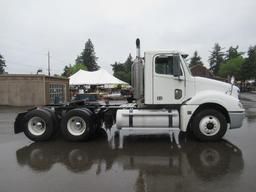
x=168 y=87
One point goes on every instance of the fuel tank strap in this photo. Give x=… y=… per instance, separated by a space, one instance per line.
x=130 y=118
x=170 y=119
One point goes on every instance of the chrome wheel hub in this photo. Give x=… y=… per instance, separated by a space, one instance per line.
x=76 y=126
x=36 y=126
x=209 y=125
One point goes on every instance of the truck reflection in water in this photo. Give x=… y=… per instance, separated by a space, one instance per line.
x=158 y=163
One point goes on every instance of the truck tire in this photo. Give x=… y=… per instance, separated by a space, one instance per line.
x=53 y=115
x=77 y=125
x=38 y=125
x=56 y=121
x=209 y=125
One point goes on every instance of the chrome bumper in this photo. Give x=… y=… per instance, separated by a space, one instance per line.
x=236 y=119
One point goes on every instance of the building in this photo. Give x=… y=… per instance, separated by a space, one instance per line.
x=33 y=90
x=200 y=70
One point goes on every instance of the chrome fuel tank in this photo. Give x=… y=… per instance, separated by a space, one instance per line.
x=147 y=118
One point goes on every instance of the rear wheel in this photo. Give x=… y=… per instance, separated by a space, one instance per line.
x=209 y=125
x=39 y=125
x=77 y=125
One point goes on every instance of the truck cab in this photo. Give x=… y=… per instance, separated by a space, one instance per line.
x=163 y=83
x=168 y=81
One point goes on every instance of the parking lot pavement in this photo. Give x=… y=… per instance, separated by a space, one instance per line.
x=7 y=117
x=173 y=162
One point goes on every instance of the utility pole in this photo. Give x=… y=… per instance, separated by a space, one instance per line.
x=49 y=68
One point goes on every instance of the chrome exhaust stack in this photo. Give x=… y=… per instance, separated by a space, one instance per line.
x=137 y=72
x=137 y=48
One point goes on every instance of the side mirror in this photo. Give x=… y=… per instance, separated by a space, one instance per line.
x=176 y=67
x=232 y=81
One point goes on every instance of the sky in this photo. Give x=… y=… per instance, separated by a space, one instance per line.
x=31 y=28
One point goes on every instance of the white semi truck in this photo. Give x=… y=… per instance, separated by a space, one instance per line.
x=165 y=96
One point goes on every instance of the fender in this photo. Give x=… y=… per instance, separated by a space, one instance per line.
x=230 y=103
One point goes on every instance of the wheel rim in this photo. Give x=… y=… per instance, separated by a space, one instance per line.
x=36 y=126
x=76 y=126
x=209 y=125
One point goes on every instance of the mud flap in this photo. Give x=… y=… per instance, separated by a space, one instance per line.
x=19 y=123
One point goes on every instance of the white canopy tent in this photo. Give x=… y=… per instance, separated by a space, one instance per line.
x=100 y=77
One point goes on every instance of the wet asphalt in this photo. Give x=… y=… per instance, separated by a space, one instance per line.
x=119 y=162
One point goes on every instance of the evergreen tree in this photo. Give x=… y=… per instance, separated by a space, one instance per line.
x=67 y=71
x=128 y=63
x=195 y=60
x=79 y=59
x=216 y=58
x=117 y=66
x=122 y=71
x=2 y=64
x=248 y=69
x=88 y=57
x=232 y=52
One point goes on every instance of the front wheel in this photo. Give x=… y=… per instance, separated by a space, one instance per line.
x=209 y=125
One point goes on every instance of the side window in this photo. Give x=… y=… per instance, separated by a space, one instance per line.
x=164 y=65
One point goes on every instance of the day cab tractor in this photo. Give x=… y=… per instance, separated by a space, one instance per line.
x=165 y=96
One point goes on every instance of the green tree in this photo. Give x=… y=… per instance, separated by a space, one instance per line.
x=122 y=75
x=66 y=72
x=232 y=67
x=77 y=67
x=88 y=57
x=195 y=60
x=128 y=63
x=248 y=69
x=122 y=71
x=2 y=64
x=232 y=52
x=216 y=58
x=70 y=70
